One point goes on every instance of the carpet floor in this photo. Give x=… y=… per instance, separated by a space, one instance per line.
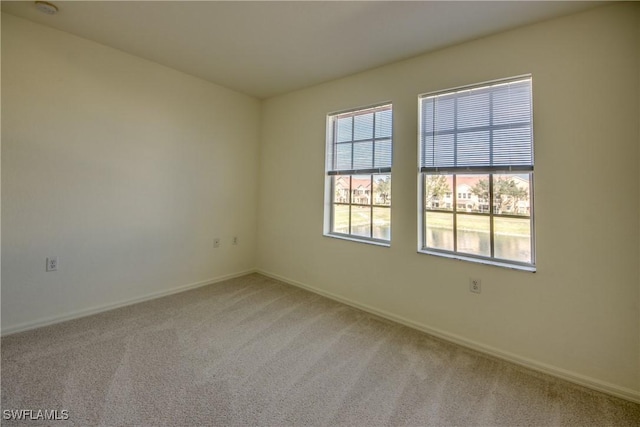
x=255 y=351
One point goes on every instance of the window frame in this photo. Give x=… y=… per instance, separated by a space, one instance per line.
x=331 y=174
x=488 y=170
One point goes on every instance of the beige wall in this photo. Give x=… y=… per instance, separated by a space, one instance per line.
x=579 y=314
x=124 y=169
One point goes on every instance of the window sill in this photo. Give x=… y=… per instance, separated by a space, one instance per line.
x=528 y=268
x=374 y=242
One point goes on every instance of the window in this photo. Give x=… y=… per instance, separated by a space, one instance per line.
x=476 y=173
x=358 y=174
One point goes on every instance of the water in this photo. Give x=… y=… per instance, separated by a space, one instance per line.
x=382 y=232
x=508 y=247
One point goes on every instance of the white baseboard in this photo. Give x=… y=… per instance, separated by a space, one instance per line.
x=46 y=321
x=576 y=378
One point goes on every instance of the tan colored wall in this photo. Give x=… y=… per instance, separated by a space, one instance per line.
x=579 y=314
x=124 y=169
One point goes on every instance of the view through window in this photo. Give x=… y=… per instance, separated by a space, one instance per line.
x=359 y=157
x=476 y=170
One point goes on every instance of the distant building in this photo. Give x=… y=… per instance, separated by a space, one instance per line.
x=467 y=201
x=360 y=191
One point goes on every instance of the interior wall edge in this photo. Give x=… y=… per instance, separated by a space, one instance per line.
x=564 y=374
x=77 y=314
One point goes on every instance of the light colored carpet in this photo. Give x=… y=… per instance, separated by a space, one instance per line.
x=255 y=351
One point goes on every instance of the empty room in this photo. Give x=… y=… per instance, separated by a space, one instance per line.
x=367 y=213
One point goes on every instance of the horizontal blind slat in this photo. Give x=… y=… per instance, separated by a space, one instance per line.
x=476 y=169
x=359 y=171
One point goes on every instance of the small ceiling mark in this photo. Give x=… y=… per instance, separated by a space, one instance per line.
x=46 y=7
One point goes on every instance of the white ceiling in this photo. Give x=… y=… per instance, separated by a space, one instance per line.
x=267 y=48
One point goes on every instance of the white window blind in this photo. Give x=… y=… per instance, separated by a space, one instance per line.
x=361 y=142
x=486 y=128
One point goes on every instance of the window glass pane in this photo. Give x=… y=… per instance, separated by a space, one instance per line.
x=384 y=124
x=340 y=219
x=444 y=116
x=361 y=189
x=474 y=110
x=513 y=239
x=512 y=104
x=363 y=155
x=511 y=194
x=512 y=146
x=382 y=155
x=382 y=223
x=472 y=193
x=438 y=193
x=361 y=221
x=438 y=151
x=341 y=186
x=344 y=129
x=473 y=149
x=343 y=156
x=427 y=120
x=439 y=230
x=382 y=190
x=363 y=126
x=473 y=235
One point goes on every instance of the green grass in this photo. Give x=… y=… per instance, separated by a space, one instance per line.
x=480 y=224
x=476 y=223
x=381 y=216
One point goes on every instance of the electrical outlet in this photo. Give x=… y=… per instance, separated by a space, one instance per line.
x=475 y=285
x=235 y=240
x=52 y=263
x=216 y=242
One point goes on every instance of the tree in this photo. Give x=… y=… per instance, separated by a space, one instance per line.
x=383 y=188
x=507 y=193
x=435 y=188
x=481 y=189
